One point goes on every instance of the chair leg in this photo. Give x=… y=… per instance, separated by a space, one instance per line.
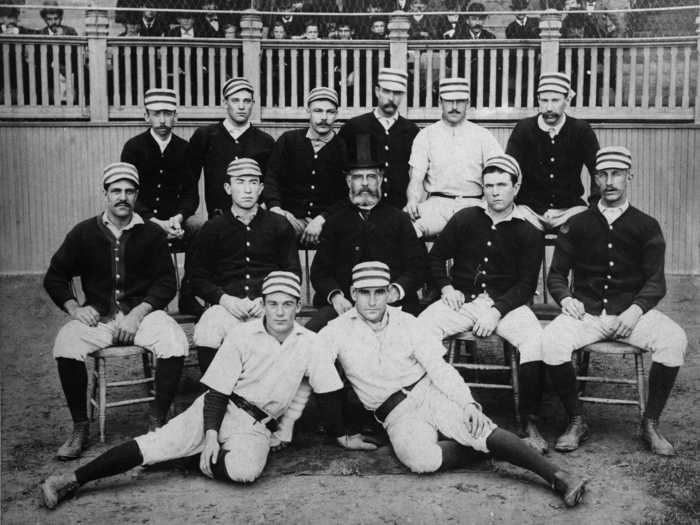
x=514 y=379
x=103 y=397
x=148 y=360
x=639 y=367
x=95 y=385
x=583 y=360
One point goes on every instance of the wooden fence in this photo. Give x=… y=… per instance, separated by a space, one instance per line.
x=103 y=78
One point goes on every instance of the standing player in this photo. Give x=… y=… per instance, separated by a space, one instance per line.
x=128 y=278
x=615 y=254
x=390 y=131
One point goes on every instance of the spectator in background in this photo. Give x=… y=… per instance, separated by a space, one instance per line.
x=598 y=25
x=420 y=28
x=475 y=22
x=279 y=32
x=452 y=26
x=9 y=22
x=293 y=25
x=185 y=26
x=230 y=31
x=377 y=29
x=523 y=27
x=151 y=23
x=310 y=30
x=53 y=18
x=131 y=25
x=209 y=25
x=344 y=31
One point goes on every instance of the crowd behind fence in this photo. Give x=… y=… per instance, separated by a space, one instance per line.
x=100 y=76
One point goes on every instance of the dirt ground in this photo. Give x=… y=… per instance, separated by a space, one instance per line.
x=315 y=482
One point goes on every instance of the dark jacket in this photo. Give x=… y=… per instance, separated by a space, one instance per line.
x=531 y=29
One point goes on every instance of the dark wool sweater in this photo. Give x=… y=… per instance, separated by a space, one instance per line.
x=302 y=181
x=387 y=236
x=116 y=274
x=552 y=167
x=393 y=150
x=614 y=266
x=502 y=260
x=167 y=186
x=213 y=148
x=228 y=257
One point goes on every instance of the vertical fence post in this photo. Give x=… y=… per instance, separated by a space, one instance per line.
x=96 y=30
x=550 y=26
x=398 y=46
x=251 y=34
x=697 y=80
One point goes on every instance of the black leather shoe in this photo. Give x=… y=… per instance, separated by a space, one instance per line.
x=570 y=487
x=654 y=440
x=576 y=433
x=74 y=445
x=55 y=489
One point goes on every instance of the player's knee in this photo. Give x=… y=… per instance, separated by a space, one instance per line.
x=554 y=349
x=673 y=347
x=210 y=329
x=68 y=341
x=242 y=469
x=421 y=460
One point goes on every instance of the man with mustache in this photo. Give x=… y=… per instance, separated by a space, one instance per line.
x=551 y=148
x=614 y=254
x=232 y=254
x=391 y=132
x=304 y=177
x=127 y=277
x=447 y=159
x=53 y=18
x=368 y=229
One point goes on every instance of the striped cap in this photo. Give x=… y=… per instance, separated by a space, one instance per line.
x=613 y=157
x=556 y=82
x=505 y=163
x=392 y=79
x=370 y=274
x=119 y=171
x=322 y=93
x=243 y=168
x=454 y=88
x=285 y=282
x=233 y=85
x=160 y=99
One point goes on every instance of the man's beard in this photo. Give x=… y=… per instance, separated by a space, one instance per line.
x=365 y=198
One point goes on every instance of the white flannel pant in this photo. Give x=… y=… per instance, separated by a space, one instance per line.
x=247 y=441
x=414 y=424
x=211 y=329
x=519 y=327
x=655 y=332
x=551 y=219
x=158 y=332
x=435 y=211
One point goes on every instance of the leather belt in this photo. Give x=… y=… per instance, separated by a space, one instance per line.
x=256 y=413
x=392 y=401
x=447 y=196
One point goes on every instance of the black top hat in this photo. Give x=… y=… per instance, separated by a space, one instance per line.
x=363 y=154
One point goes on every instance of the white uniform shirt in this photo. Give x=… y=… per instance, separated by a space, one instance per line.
x=380 y=363
x=254 y=365
x=452 y=157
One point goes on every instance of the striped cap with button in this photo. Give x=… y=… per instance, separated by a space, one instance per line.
x=119 y=171
x=454 y=88
x=243 y=168
x=285 y=282
x=322 y=93
x=392 y=79
x=612 y=157
x=159 y=99
x=234 y=85
x=504 y=163
x=370 y=274
x=555 y=82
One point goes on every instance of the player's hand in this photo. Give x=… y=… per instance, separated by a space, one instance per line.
x=412 y=209
x=573 y=308
x=355 y=442
x=340 y=303
x=485 y=324
x=452 y=298
x=210 y=453
x=85 y=314
x=626 y=321
x=235 y=306
x=125 y=329
x=176 y=224
x=255 y=307
x=167 y=227
x=312 y=233
x=276 y=444
x=477 y=422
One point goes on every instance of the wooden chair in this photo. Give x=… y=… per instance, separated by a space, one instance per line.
x=463 y=353
x=98 y=398
x=611 y=348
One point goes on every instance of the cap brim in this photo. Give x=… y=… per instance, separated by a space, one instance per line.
x=608 y=165
x=161 y=106
x=392 y=86
x=371 y=283
x=454 y=96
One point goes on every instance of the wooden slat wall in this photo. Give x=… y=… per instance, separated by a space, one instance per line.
x=51 y=179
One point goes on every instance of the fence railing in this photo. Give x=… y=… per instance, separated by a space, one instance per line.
x=101 y=78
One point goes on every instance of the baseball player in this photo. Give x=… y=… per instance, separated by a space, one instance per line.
x=231 y=255
x=615 y=253
x=304 y=177
x=214 y=146
x=447 y=158
x=397 y=370
x=496 y=258
x=552 y=148
x=392 y=133
x=257 y=390
x=127 y=276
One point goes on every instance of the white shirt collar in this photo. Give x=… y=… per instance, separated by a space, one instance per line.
x=117 y=232
x=612 y=214
x=387 y=122
x=187 y=33
x=235 y=131
x=258 y=326
x=515 y=213
x=546 y=127
x=162 y=143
